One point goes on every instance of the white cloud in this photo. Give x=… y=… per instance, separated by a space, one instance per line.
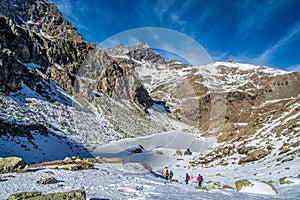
x=254 y=16
x=287 y=38
x=162 y=8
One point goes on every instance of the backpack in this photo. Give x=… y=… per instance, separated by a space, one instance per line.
x=188 y=178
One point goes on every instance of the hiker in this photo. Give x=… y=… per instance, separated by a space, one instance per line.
x=166 y=173
x=187 y=178
x=171 y=175
x=199 y=180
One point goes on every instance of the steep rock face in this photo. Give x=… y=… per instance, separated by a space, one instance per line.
x=47 y=55
x=63 y=60
x=120 y=81
x=138 y=52
x=41 y=17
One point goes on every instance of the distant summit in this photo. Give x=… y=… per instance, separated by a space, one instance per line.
x=169 y=56
x=138 y=52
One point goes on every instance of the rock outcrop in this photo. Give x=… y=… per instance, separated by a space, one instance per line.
x=50 y=180
x=70 y=195
x=138 y=52
x=257 y=187
x=11 y=164
x=41 y=17
x=254 y=156
x=21 y=130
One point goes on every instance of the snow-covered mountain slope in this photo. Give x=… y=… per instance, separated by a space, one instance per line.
x=133 y=181
x=251 y=110
x=65 y=128
x=62 y=96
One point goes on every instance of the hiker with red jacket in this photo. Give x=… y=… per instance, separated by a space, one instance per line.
x=199 y=180
x=187 y=178
x=166 y=173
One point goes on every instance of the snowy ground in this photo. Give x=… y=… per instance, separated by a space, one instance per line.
x=132 y=181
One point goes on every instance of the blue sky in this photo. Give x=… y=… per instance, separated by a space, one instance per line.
x=261 y=32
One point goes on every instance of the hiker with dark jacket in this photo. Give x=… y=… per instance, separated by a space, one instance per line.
x=187 y=178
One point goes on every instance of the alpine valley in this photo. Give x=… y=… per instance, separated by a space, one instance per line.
x=104 y=124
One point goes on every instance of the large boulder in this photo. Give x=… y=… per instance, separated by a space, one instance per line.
x=50 y=180
x=11 y=164
x=255 y=187
x=289 y=180
x=70 y=195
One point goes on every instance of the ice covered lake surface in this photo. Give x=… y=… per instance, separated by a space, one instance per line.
x=132 y=181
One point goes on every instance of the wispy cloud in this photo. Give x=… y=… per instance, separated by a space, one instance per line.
x=254 y=16
x=162 y=7
x=287 y=38
x=294 y=68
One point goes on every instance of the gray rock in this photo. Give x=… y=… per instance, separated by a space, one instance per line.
x=11 y=164
x=50 y=180
x=25 y=195
x=70 y=195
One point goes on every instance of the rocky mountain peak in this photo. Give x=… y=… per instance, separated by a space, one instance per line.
x=41 y=17
x=138 y=52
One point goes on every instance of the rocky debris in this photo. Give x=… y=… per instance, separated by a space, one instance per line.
x=11 y=164
x=79 y=163
x=21 y=130
x=218 y=153
x=254 y=156
x=80 y=166
x=50 y=180
x=70 y=195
